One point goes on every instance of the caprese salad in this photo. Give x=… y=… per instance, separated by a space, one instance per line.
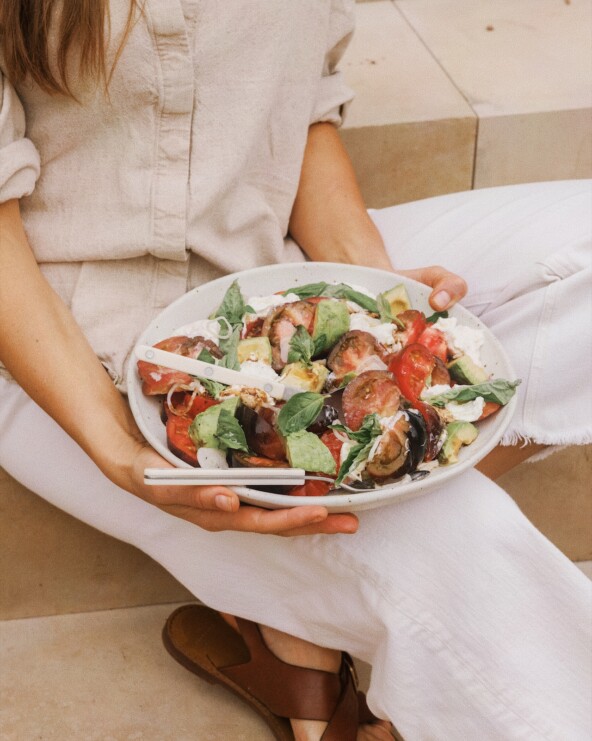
x=385 y=393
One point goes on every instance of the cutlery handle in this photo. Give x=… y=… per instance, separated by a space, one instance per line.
x=195 y=367
x=211 y=476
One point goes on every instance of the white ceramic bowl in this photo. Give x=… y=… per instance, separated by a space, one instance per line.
x=200 y=302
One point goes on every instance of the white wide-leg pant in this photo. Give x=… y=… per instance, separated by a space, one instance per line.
x=475 y=625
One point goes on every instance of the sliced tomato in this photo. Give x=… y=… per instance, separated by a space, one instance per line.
x=330 y=439
x=412 y=367
x=280 y=325
x=371 y=391
x=489 y=408
x=178 y=440
x=435 y=341
x=159 y=380
x=182 y=405
x=310 y=489
x=354 y=351
x=415 y=323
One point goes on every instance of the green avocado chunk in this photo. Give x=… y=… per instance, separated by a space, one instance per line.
x=331 y=322
x=257 y=349
x=203 y=428
x=457 y=435
x=398 y=299
x=305 y=450
x=306 y=377
x=464 y=370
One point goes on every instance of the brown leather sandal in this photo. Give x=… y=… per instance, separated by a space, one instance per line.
x=199 y=639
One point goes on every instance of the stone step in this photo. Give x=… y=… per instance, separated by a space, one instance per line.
x=455 y=94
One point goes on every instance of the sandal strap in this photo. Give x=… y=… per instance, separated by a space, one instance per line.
x=296 y=692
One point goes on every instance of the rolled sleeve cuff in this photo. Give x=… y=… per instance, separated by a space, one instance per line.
x=332 y=99
x=19 y=169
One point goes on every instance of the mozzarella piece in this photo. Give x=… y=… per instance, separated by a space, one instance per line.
x=469 y=411
x=262 y=304
x=212 y=458
x=259 y=369
x=383 y=333
x=461 y=339
x=209 y=329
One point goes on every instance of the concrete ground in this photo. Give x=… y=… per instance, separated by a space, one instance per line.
x=451 y=95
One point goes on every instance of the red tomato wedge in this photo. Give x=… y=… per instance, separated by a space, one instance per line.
x=412 y=367
x=435 y=341
x=178 y=440
x=330 y=439
x=310 y=489
x=182 y=405
x=489 y=408
x=371 y=391
x=415 y=323
x=157 y=379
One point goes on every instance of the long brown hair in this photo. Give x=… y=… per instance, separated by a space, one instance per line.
x=84 y=26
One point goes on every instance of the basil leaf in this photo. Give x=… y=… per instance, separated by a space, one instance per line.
x=249 y=310
x=229 y=346
x=213 y=388
x=308 y=291
x=355 y=456
x=232 y=307
x=499 y=391
x=433 y=318
x=369 y=430
x=299 y=412
x=206 y=357
x=342 y=290
x=346 y=379
x=319 y=344
x=229 y=433
x=301 y=346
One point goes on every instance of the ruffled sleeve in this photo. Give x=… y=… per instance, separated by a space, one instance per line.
x=333 y=94
x=19 y=159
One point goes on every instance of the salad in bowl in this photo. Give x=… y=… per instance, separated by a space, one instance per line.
x=385 y=395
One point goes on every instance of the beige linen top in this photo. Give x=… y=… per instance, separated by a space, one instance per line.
x=187 y=171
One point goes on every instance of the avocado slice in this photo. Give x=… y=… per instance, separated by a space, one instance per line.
x=305 y=450
x=464 y=370
x=457 y=435
x=306 y=377
x=398 y=299
x=330 y=323
x=254 y=348
x=205 y=424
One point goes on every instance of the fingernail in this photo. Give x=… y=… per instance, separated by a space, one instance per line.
x=319 y=518
x=441 y=299
x=223 y=502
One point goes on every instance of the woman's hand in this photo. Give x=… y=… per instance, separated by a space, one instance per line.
x=447 y=288
x=330 y=221
x=218 y=507
x=53 y=362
